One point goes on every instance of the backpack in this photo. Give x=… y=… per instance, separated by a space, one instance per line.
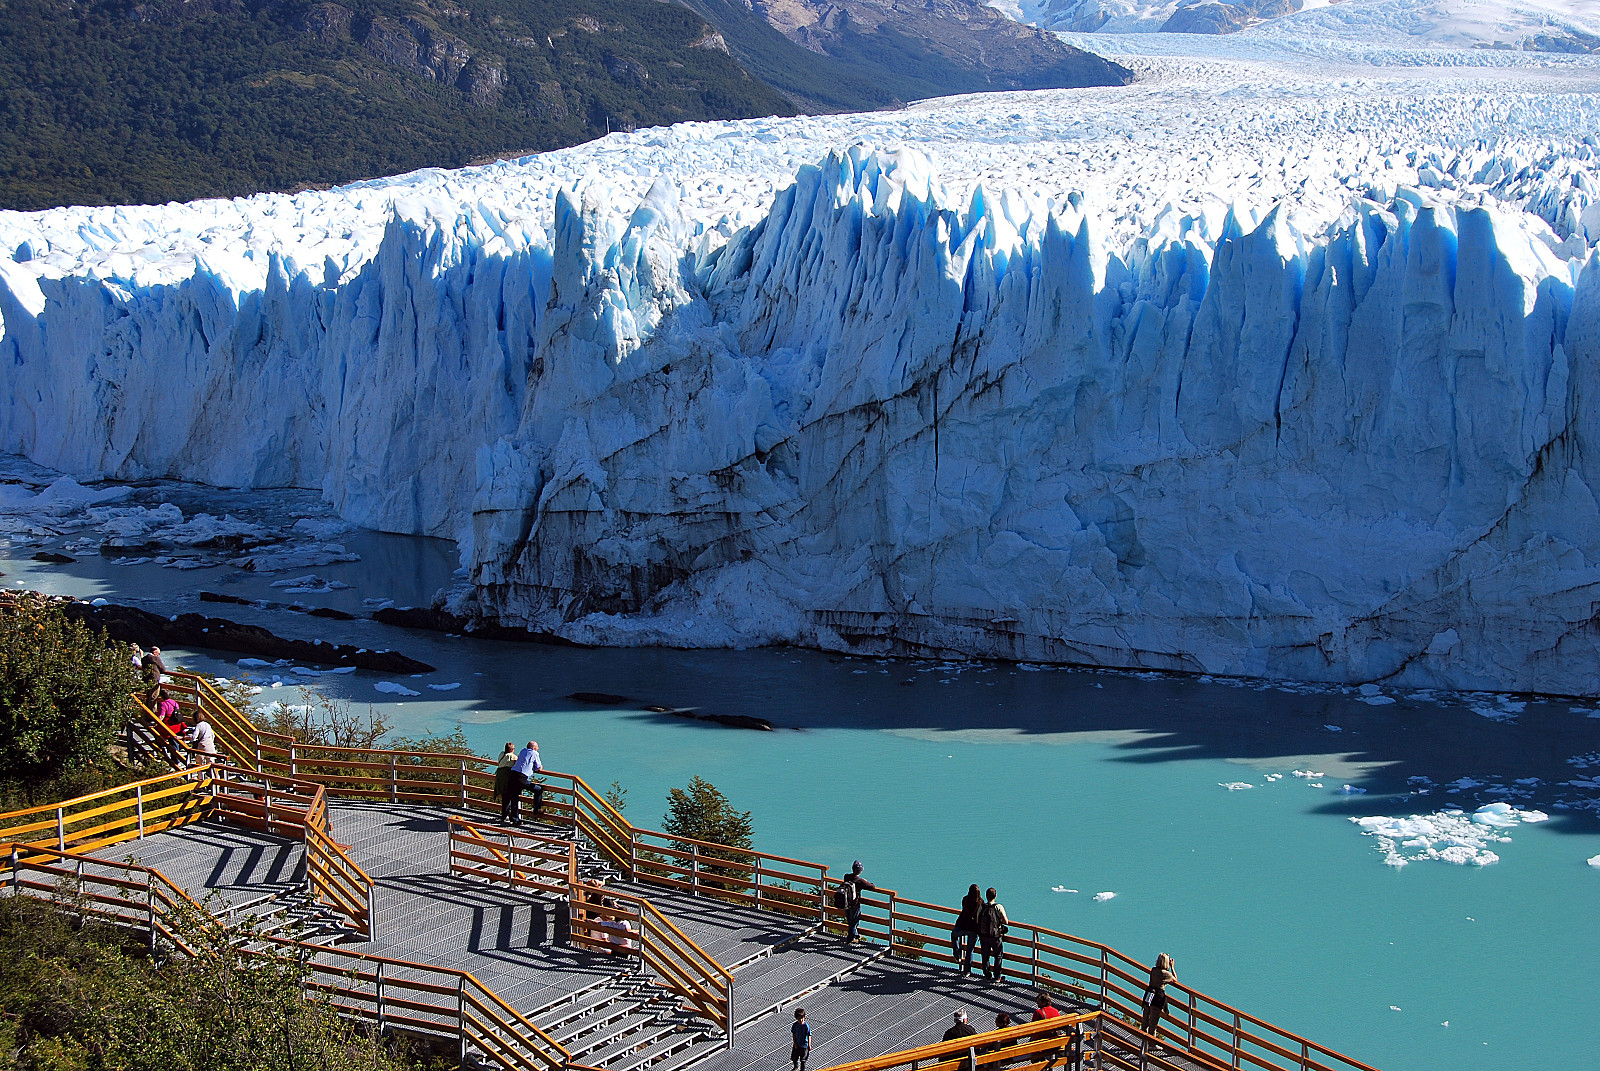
x=989 y=924
x=841 y=899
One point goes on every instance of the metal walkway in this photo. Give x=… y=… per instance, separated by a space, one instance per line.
x=860 y=1002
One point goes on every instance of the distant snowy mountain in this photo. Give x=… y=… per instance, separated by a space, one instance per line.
x=1571 y=26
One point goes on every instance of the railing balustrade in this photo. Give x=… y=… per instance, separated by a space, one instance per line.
x=1080 y=970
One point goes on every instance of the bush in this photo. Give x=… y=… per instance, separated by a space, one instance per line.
x=64 y=692
x=83 y=995
x=703 y=813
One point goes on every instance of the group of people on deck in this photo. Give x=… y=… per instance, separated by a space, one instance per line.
x=200 y=737
x=513 y=775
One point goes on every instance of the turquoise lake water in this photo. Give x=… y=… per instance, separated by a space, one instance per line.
x=937 y=775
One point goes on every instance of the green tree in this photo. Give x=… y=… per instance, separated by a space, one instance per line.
x=64 y=691
x=701 y=812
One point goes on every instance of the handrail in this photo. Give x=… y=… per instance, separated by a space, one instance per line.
x=1008 y=1046
x=1091 y=971
x=525 y=860
x=478 y=1015
x=125 y=812
x=679 y=964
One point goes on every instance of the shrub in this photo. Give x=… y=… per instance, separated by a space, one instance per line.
x=64 y=692
x=75 y=993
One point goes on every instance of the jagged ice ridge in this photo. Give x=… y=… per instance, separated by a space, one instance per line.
x=1338 y=431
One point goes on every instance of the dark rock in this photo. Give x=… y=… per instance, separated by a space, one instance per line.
x=626 y=70
x=212 y=596
x=53 y=558
x=732 y=721
x=330 y=613
x=605 y=699
x=330 y=22
x=483 y=83
x=1206 y=18
x=132 y=625
x=444 y=621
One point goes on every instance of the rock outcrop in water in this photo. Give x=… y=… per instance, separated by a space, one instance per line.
x=874 y=421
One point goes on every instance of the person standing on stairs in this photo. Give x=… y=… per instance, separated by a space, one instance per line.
x=502 y=780
x=800 y=1051
x=1155 y=994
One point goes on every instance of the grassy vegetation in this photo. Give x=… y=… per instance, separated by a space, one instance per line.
x=112 y=101
x=77 y=995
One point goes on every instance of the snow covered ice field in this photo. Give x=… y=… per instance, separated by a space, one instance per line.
x=1279 y=362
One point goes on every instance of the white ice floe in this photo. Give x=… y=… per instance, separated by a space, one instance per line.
x=1234 y=786
x=1594 y=861
x=1104 y=896
x=1352 y=790
x=452 y=686
x=310 y=584
x=1062 y=889
x=1449 y=836
x=391 y=688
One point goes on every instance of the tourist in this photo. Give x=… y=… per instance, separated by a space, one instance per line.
x=203 y=739
x=960 y=1028
x=849 y=892
x=800 y=1051
x=153 y=667
x=502 y=780
x=528 y=764
x=1044 y=1009
x=1155 y=993
x=137 y=654
x=1002 y=1020
x=521 y=773
x=965 y=935
x=992 y=927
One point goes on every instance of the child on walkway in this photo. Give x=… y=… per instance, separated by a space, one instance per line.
x=800 y=1052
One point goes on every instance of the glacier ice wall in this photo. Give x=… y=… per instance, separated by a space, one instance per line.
x=874 y=420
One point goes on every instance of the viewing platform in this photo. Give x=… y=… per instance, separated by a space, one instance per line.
x=580 y=940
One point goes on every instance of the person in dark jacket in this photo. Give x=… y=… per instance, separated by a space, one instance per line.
x=800 y=1050
x=502 y=780
x=852 y=887
x=964 y=937
x=1155 y=993
x=992 y=927
x=960 y=1028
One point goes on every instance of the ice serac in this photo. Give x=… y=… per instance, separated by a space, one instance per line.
x=875 y=421
x=879 y=418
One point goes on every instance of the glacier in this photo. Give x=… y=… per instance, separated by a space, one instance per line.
x=1302 y=386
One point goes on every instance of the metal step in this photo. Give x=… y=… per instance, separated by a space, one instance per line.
x=641 y=1041
x=674 y=1059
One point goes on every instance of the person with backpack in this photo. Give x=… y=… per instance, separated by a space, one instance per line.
x=964 y=937
x=800 y=1051
x=992 y=927
x=847 y=898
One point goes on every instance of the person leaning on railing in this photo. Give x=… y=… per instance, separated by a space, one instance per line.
x=992 y=927
x=1155 y=993
x=502 y=780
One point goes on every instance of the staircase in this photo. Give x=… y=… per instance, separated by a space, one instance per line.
x=628 y=1024
x=293 y=915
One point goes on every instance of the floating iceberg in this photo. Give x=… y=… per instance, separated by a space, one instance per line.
x=1449 y=836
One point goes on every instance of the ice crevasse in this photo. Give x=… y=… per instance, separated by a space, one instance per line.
x=876 y=420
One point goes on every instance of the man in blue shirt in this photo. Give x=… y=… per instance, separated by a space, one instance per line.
x=527 y=765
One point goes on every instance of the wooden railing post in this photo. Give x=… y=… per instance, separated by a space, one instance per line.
x=1035 y=957
x=294 y=769
x=729 y=984
x=394 y=780
x=462 y=763
x=61 y=830
x=266 y=804
x=694 y=870
x=1238 y=1038
x=16 y=879
x=372 y=913
x=758 y=883
x=633 y=854
x=138 y=804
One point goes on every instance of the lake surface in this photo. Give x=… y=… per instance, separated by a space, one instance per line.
x=1036 y=780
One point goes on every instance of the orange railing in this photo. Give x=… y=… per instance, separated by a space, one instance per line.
x=392 y=994
x=112 y=815
x=513 y=857
x=1087 y=971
